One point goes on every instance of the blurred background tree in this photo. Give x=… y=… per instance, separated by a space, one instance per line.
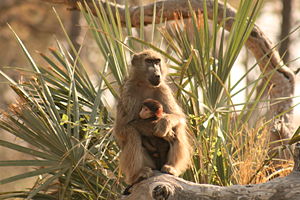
x=37 y=25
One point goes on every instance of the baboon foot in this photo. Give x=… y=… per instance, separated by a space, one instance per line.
x=145 y=173
x=169 y=170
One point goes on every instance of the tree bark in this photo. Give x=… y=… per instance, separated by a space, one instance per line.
x=163 y=186
x=75 y=29
x=286 y=24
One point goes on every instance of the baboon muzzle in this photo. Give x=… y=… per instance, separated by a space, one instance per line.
x=155 y=80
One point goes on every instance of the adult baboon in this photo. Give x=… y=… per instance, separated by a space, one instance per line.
x=147 y=80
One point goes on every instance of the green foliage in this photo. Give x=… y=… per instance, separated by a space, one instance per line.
x=61 y=115
x=204 y=89
x=64 y=116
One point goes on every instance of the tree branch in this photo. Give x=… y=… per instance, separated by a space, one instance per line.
x=286 y=25
x=163 y=186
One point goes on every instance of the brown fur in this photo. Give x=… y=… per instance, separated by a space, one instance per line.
x=156 y=147
x=146 y=80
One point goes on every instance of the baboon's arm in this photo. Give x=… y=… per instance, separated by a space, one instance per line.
x=144 y=126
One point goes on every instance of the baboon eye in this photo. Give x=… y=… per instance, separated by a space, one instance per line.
x=157 y=61
x=152 y=61
x=149 y=61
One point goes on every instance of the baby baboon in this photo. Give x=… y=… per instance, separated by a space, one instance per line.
x=158 y=148
x=147 y=80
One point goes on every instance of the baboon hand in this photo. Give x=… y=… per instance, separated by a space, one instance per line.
x=163 y=127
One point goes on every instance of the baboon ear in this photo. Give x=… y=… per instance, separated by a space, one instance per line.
x=134 y=60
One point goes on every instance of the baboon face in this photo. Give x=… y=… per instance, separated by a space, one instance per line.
x=148 y=66
x=154 y=71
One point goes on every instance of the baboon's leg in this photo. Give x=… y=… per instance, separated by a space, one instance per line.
x=178 y=156
x=134 y=161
